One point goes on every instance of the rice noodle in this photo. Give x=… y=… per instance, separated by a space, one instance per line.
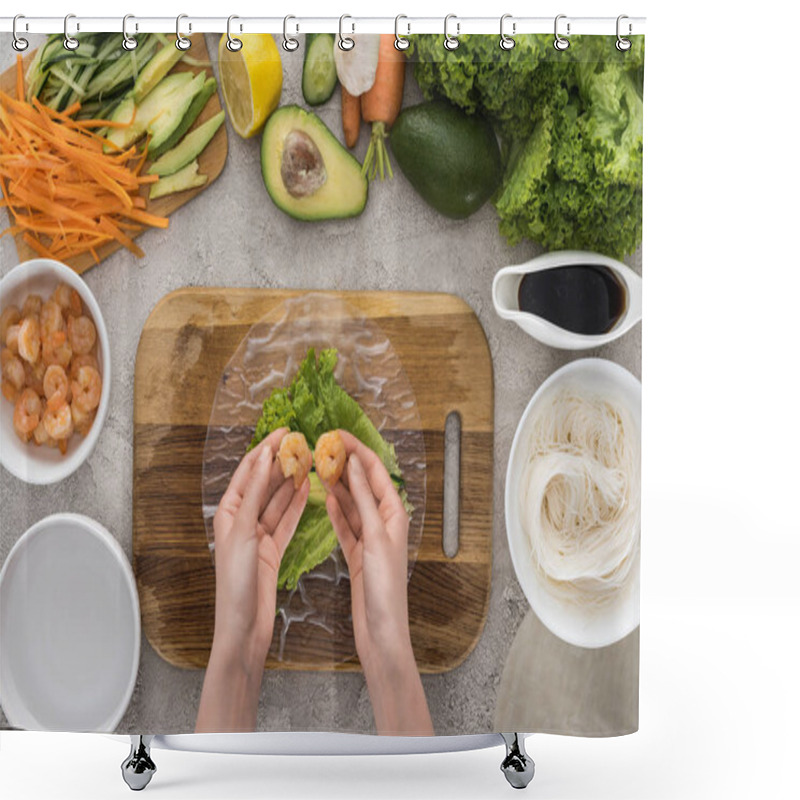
x=580 y=495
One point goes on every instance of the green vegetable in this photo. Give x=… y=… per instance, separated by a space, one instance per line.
x=97 y=74
x=449 y=157
x=189 y=149
x=198 y=104
x=180 y=181
x=319 y=69
x=313 y=404
x=164 y=60
x=571 y=126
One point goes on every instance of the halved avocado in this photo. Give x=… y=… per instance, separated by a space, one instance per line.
x=309 y=175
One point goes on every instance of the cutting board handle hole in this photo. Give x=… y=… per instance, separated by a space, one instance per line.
x=452 y=483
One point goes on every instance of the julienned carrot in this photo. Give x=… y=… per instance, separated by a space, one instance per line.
x=381 y=104
x=67 y=196
x=351 y=117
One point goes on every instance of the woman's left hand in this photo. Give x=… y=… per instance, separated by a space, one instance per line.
x=255 y=521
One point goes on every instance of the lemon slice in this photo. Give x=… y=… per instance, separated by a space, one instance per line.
x=251 y=79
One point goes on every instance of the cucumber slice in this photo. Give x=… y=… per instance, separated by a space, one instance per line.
x=319 y=69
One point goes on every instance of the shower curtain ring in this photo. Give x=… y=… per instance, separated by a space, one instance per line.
x=507 y=42
x=560 y=43
x=290 y=44
x=128 y=42
x=401 y=42
x=233 y=44
x=70 y=42
x=181 y=42
x=18 y=43
x=451 y=42
x=345 y=42
x=623 y=44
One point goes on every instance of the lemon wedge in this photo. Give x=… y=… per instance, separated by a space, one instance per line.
x=251 y=79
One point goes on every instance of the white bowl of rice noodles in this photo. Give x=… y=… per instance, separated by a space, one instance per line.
x=573 y=501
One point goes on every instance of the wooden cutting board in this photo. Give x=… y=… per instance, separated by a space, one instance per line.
x=211 y=160
x=184 y=347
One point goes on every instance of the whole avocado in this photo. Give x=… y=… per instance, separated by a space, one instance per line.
x=451 y=158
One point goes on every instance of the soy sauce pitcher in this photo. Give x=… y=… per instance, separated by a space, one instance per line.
x=570 y=299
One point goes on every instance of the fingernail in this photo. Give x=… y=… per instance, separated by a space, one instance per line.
x=266 y=454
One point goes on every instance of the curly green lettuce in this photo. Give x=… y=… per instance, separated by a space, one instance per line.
x=313 y=404
x=571 y=127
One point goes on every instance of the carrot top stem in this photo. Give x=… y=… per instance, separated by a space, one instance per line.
x=376 y=161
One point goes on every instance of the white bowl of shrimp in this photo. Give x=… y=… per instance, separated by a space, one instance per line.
x=56 y=371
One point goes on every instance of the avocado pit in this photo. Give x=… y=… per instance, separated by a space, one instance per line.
x=302 y=167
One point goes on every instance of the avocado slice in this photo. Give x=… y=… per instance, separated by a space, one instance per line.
x=166 y=122
x=309 y=175
x=186 y=178
x=157 y=67
x=189 y=149
x=165 y=97
x=198 y=104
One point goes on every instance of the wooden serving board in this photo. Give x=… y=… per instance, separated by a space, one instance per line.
x=184 y=348
x=211 y=160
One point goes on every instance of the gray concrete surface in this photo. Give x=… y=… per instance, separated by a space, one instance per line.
x=233 y=235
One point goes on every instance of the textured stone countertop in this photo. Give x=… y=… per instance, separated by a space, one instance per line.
x=232 y=235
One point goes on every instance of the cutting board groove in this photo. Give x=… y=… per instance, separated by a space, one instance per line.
x=190 y=336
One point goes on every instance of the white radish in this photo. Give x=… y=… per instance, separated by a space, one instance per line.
x=357 y=66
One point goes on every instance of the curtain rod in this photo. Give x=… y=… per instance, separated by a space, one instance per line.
x=567 y=26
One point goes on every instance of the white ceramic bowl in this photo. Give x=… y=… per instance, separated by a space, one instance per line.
x=70 y=628
x=28 y=462
x=574 y=624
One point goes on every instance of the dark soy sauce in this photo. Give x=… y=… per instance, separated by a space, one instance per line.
x=587 y=299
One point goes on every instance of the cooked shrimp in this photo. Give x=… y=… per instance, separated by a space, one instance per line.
x=51 y=319
x=13 y=371
x=9 y=317
x=63 y=295
x=329 y=458
x=27 y=413
x=82 y=335
x=58 y=422
x=82 y=420
x=56 y=386
x=12 y=338
x=295 y=458
x=40 y=435
x=34 y=376
x=32 y=306
x=56 y=349
x=77 y=362
x=30 y=340
x=86 y=389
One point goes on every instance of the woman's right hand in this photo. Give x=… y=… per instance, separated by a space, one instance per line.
x=371 y=524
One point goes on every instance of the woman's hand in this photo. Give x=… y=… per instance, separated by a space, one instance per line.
x=372 y=527
x=255 y=521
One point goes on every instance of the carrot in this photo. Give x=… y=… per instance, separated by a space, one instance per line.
x=381 y=104
x=66 y=196
x=351 y=117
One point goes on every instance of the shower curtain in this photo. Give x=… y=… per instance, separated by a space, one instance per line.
x=365 y=479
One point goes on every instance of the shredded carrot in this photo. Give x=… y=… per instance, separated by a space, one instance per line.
x=66 y=192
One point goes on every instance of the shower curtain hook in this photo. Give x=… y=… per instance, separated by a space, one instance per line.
x=623 y=44
x=128 y=42
x=18 y=43
x=560 y=43
x=401 y=42
x=507 y=42
x=289 y=44
x=70 y=42
x=451 y=42
x=345 y=42
x=233 y=44
x=181 y=42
